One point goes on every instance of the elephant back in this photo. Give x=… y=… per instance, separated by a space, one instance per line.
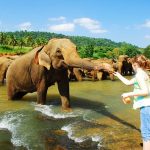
x=122 y=57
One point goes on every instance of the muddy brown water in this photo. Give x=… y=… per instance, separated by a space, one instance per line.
x=99 y=120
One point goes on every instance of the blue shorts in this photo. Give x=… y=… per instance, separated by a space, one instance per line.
x=145 y=123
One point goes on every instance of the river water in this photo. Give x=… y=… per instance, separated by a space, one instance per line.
x=99 y=120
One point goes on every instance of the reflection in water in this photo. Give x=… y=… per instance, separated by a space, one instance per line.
x=99 y=119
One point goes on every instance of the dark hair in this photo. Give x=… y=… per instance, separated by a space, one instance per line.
x=141 y=60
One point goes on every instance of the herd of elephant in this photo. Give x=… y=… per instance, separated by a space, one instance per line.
x=122 y=65
x=57 y=61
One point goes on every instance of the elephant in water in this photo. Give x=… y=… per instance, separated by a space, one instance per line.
x=76 y=74
x=5 y=62
x=124 y=65
x=42 y=67
x=102 y=73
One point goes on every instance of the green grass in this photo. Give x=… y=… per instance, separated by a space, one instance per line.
x=4 y=49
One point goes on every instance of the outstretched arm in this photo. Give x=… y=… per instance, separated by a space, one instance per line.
x=144 y=88
x=124 y=80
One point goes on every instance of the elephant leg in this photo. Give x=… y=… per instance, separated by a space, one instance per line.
x=99 y=75
x=63 y=87
x=41 y=93
x=94 y=75
x=41 y=96
x=10 y=91
x=13 y=95
x=3 y=75
x=111 y=76
x=2 y=79
x=19 y=95
x=104 y=76
x=77 y=74
x=122 y=71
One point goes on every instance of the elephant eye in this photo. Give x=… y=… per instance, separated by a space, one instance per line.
x=58 y=50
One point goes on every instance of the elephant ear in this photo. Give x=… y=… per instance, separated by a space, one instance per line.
x=42 y=59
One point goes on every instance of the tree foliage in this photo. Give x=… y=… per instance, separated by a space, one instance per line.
x=87 y=47
x=147 y=51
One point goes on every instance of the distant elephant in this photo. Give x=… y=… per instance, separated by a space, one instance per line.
x=103 y=73
x=148 y=64
x=124 y=65
x=76 y=74
x=5 y=62
x=127 y=68
x=42 y=67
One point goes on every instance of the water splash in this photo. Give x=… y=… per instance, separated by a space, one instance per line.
x=52 y=111
x=98 y=139
x=71 y=129
x=12 y=122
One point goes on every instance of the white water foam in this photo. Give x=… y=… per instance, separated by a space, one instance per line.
x=49 y=111
x=12 y=122
x=86 y=116
x=97 y=138
x=54 y=111
x=70 y=130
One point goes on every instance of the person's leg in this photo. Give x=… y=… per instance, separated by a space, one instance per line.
x=145 y=127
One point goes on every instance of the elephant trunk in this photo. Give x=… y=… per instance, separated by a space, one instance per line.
x=81 y=63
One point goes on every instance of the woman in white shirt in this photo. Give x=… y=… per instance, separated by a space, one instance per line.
x=141 y=95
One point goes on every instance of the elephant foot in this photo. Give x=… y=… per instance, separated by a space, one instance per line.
x=18 y=95
x=41 y=102
x=67 y=110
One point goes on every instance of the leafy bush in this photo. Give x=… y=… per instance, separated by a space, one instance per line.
x=6 y=47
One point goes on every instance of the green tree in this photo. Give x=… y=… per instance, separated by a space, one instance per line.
x=11 y=40
x=2 y=38
x=147 y=51
x=130 y=50
x=81 y=51
x=110 y=54
x=21 y=42
x=116 y=52
x=89 y=50
x=28 y=40
x=99 y=52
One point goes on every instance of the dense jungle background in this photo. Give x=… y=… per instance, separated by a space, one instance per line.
x=20 y=42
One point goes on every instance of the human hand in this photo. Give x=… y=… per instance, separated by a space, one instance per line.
x=125 y=95
x=125 y=98
x=116 y=74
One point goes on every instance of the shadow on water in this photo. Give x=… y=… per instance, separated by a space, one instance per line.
x=77 y=102
x=99 y=107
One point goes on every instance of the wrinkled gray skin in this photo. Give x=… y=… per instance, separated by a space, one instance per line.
x=41 y=68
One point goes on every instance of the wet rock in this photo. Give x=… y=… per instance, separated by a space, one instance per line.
x=51 y=144
x=51 y=140
x=59 y=132
x=5 y=135
x=58 y=147
x=58 y=140
x=5 y=140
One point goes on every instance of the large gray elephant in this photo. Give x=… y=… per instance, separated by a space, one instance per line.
x=42 y=67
